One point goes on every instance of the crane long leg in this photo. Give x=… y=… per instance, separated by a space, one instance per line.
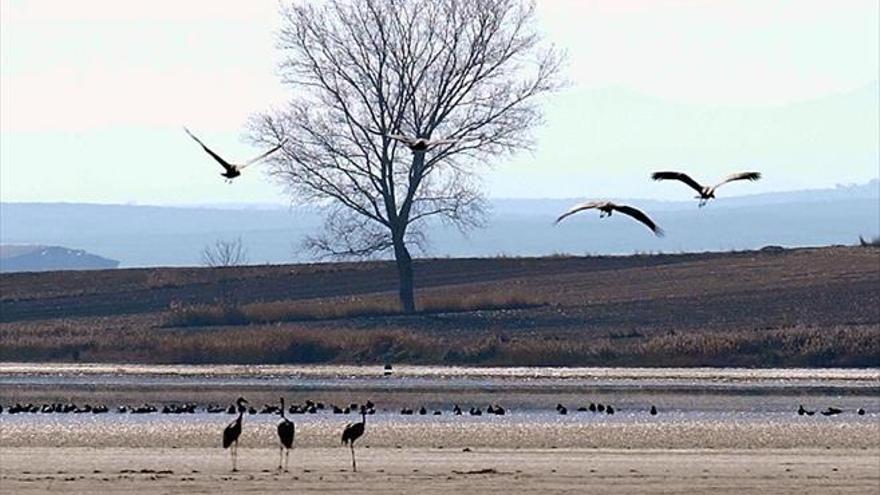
x=234 y=453
x=286 y=460
x=353 y=463
x=280 y=456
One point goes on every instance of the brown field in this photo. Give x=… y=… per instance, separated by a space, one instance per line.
x=803 y=307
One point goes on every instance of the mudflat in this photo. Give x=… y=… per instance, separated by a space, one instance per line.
x=425 y=470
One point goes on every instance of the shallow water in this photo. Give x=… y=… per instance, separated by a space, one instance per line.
x=714 y=408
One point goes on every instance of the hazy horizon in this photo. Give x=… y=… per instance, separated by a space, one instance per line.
x=684 y=200
x=166 y=235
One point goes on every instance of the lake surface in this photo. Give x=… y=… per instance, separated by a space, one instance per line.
x=724 y=408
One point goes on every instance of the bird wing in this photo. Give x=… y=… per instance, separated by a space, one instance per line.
x=230 y=433
x=220 y=160
x=640 y=216
x=739 y=176
x=264 y=155
x=404 y=139
x=678 y=176
x=579 y=207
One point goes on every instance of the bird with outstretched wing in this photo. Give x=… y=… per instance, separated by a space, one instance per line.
x=232 y=170
x=705 y=192
x=606 y=207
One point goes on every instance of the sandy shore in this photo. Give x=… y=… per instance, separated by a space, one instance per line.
x=717 y=431
x=387 y=470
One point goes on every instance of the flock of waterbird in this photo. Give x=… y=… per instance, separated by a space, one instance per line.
x=606 y=208
x=286 y=429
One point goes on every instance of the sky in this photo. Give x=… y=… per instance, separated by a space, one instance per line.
x=93 y=95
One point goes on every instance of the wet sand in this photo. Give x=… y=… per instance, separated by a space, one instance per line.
x=408 y=470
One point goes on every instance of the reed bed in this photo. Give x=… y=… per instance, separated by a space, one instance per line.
x=226 y=313
x=798 y=346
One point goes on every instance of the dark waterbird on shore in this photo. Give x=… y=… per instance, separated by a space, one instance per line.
x=832 y=411
x=286 y=432
x=705 y=192
x=352 y=432
x=802 y=411
x=606 y=208
x=233 y=431
x=232 y=170
x=653 y=410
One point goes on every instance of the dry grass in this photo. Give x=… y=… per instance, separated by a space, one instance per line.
x=198 y=315
x=323 y=342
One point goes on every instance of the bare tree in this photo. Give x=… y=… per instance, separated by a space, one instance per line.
x=225 y=253
x=468 y=72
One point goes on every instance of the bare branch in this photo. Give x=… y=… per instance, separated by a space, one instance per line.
x=225 y=253
x=359 y=70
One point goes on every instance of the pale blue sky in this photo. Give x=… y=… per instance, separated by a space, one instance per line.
x=93 y=94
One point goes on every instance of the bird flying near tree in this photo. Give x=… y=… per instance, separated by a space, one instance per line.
x=607 y=207
x=232 y=170
x=420 y=144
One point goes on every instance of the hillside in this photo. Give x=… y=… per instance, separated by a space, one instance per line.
x=33 y=258
x=804 y=307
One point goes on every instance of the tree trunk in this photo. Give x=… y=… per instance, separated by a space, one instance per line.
x=405 y=274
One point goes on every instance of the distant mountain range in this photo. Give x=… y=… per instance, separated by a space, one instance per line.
x=175 y=236
x=30 y=258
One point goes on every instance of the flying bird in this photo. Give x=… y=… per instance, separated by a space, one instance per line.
x=607 y=207
x=232 y=170
x=233 y=431
x=418 y=145
x=706 y=192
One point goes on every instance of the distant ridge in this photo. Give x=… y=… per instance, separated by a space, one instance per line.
x=143 y=235
x=35 y=258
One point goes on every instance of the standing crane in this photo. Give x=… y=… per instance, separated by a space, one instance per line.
x=232 y=170
x=352 y=432
x=286 y=432
x=607 y=207
x=233 y=431
x=706 y=192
